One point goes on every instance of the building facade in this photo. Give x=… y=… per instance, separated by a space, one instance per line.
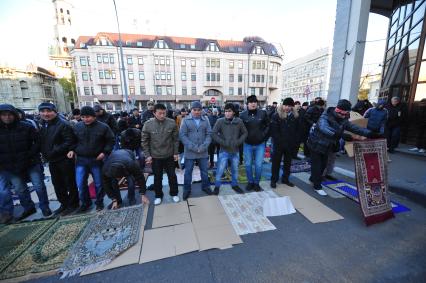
x=26 y=89
x=174 y=70
x=307 y=77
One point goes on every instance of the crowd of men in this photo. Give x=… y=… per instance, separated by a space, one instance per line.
x=112 y=147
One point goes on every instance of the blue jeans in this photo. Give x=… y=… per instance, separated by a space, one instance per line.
x=83 y=167
x=189 y=166
x=131 y=186
x=258 y=152
x=223 y=162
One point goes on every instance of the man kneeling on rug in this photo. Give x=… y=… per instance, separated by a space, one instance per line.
x=122 y=163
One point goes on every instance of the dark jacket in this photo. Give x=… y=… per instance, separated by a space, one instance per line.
x=127 y=160
x=131 y=139
x=376 y=119
x=134 y=121
x=362 y=106
x=109 y=120
x=122 y=124
x=312 y=115
x=324 y=137
x=147 y=115
x=19 y=144
x=56 y=139
x=396 y=114
x=285 y=131
x=257 y=125
x=229 y=134
x=93 y=139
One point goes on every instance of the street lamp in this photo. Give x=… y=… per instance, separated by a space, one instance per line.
x=126 y=96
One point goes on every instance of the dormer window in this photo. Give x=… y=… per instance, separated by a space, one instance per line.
x=212 y=47
x=139 y=44
x=192 y=46
x=161 y=44
x=82 y=45
x=103 y=42
x=258 y=50
x=182 y=46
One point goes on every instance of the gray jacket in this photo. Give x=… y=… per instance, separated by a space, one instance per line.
x=160 y=139
x=195 y=139
x=229 y=134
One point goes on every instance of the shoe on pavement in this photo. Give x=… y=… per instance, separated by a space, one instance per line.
x=207 y=191
x=5 y=218
x=27 y=213
x=238 y=190
x=257 y=188
x=46 y=212
x=414 y=149
x=422 y=150
x=250 y=187
x=176 y=199
x=157 y=201
x=67 y=211
x=288 y=183
x=273 y=185
x=59 y=210
x=330 y=177
x=186 y=195
x=216 y=191
x=321 y=192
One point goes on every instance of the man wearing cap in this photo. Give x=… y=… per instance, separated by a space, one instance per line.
x=95 y=141
x=104 y=117
x=325 y=137
x=57 y=139
x=229 y=132
x=285 y=134
x=19 y=157
x=160 y=141
x=256 y=122
x=195 y=133
x=122 y=163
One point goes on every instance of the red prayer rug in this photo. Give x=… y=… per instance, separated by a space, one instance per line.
x=372 y=180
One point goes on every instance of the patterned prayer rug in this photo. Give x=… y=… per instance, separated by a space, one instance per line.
x=372 y=180
x=106 y=236
x=50 y=250
x=16 y=238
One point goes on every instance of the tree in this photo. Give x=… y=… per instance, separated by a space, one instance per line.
x=68 y=85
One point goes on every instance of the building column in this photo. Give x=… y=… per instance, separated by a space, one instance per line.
x=350 y=32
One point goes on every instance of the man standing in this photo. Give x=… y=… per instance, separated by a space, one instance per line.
x=229 y=132
x=396 y=117
x=57 y=139
x=19 y=157
x=160 y=141
x=213 y=147
x=256 y=122
x=75 y=117
x=95 y=141
x=149 y=113
x=104 y=117
x=195 y=133
x=136 y=120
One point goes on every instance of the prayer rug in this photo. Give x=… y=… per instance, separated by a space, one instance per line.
x=107 y=235
x=16 y=238
x=351 y=192
x=372 y=180
x=300 y=166
x=50 y=250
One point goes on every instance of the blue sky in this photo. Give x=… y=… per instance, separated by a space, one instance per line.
x=298 y=27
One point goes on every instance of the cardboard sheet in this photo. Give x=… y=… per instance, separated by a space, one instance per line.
x=278 y=206
x=312 y=209
x=358 y=120
x=170 y=214
x=168 y=241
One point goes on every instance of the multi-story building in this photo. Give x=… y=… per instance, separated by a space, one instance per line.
x=174 y=70
x=26 y=89
x=307 y=77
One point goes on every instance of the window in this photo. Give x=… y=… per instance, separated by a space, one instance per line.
x=184 y=91
x=161 y=44
x=115 y=90
x=132 y=90
x=158 y=90
x=86 y=91
x=141 y=75
x=231 y=78
x=163 y=75
x=208 y=77
x=104 y=89
x=218 y=77
x=192 y=46
x=161 y=60
x=193 y=91
x=240 y=91
x=258 y=64
x=128 y=43
x=254 y=65
x=113 y=75
x=90 y=76
x=84 y=76
x=231 y=91
x=88 y=61
x=105 y=58
x=131 y=75
x=231 y=64
x=183 y=76
x=240 y=64
x=169 y=76
x=212 y=47
x=157 y=76
x=143 y=90
x=262 y=78
x=156 y=61
x=253 y=91
x=261 y=91
x=240 y=78
x=101 y=74
x=271 y=79
x=129 y=60
x=139 y=44
x=253 y=78
x=258 y=50
x=263 y=65
x=183 y=62
x=258 y=78
x=208 y=62
x=193 y=77
x=213 y=77
x=99 y=58
x=167 y=61
x=107 y=74
x=117 y=106
x=83 y=61
x=169 y=90
x=182 y=46
x=140 y=60
x=193 y=63
x=92 y=91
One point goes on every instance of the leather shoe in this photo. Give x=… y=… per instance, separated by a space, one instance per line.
x=288 y=183
x=257 y=188
x=207 y=191
x=186 y=195
x=216 y=191
x=250 y=187
x=27 y=213
x=46 y=212
x=273 y=185
x=238 y=190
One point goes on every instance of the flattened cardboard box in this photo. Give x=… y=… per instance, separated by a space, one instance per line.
x=171 y=214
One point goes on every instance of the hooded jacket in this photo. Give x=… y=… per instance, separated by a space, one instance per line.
x=377 y=118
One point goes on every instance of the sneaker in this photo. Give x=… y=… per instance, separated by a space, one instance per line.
x=176 y=199
x=273 y=185
x=207 y=191
x=59 y=210
x=186 y=195
x=99 y=207
x=288 y=183
x=238 y=190
x=46 y=212
x=250 y=187
x=321 y=192
x=422 y=150
x=157 y=201
x=216 y=191
x=5 y=218
x=27 y=213
x=414 y=149
x=257 y=188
